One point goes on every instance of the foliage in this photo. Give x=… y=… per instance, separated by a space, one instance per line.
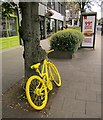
x=82 y=6
x=74 y=6
x=8 y=8
x=75 y=27
x=66 y=40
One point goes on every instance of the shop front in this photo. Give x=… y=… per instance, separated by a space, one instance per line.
x=42 y=27
x=51 y=26
x=60 y=25
x=9 y=36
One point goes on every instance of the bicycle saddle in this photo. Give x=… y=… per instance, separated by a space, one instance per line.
x=36 y=66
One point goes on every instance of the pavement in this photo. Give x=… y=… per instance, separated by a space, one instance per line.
x=78 y=97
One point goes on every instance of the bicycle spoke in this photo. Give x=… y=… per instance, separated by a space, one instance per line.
x=36 y=92
x=38 y=100
x=54 y=74
x=42 y=89
x=31 y=91
x=38 y=84
x=33 y=97
x=32 y=86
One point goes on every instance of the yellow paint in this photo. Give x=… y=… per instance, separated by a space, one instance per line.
x=8 y=42
x=46 y=75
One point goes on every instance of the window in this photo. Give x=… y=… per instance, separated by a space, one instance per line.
x=49 y=4
x=12 y=28
x=53 y=5
x=59 y=7
x=70 y=13
x=62 y=10
x=51 y=26
x=42 y=24
x=60 y=25
x=3 y=25
x=8 y=27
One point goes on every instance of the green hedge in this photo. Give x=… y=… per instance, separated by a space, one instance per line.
x=75 y=27
x=66 y=40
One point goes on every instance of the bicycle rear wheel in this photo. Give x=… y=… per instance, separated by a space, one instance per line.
x=54 y=74
x=36 y=92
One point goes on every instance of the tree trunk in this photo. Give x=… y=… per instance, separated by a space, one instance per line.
x=81 y=5
x=30 y=26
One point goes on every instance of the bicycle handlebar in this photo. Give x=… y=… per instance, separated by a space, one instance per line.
x=49 y=51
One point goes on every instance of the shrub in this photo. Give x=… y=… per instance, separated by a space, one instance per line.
x=66 y=40
x=75 y=27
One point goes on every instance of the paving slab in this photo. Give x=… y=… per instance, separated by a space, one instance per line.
x=78 y=97
x=72 y=105
x=86 y=95
x=12 y=67
x=93 y=108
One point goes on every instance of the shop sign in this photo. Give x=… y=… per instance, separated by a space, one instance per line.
x=88 y=29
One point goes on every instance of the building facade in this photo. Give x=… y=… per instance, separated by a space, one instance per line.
x=9 y=36
x=51 y=24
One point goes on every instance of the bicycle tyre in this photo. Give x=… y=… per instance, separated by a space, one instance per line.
x=54 y=74
x=34 y=88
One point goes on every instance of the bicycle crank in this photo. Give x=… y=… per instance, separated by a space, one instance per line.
x=49 y=85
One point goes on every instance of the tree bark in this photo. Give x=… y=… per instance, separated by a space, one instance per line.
x=81 y=5
x=30 y=26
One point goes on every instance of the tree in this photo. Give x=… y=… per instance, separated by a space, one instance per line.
x=30 y=27
x=76 y=6
x=8 y=8
x=73 y=6
x=83 y=6
x=87 y=5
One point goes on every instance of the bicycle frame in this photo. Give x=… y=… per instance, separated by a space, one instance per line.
x=44 y=70
x=44 y=73
x=38 y=86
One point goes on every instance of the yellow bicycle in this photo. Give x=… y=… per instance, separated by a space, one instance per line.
x=37 y=86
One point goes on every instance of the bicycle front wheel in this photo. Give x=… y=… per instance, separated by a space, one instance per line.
x=36 y=92
x=54 y=74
